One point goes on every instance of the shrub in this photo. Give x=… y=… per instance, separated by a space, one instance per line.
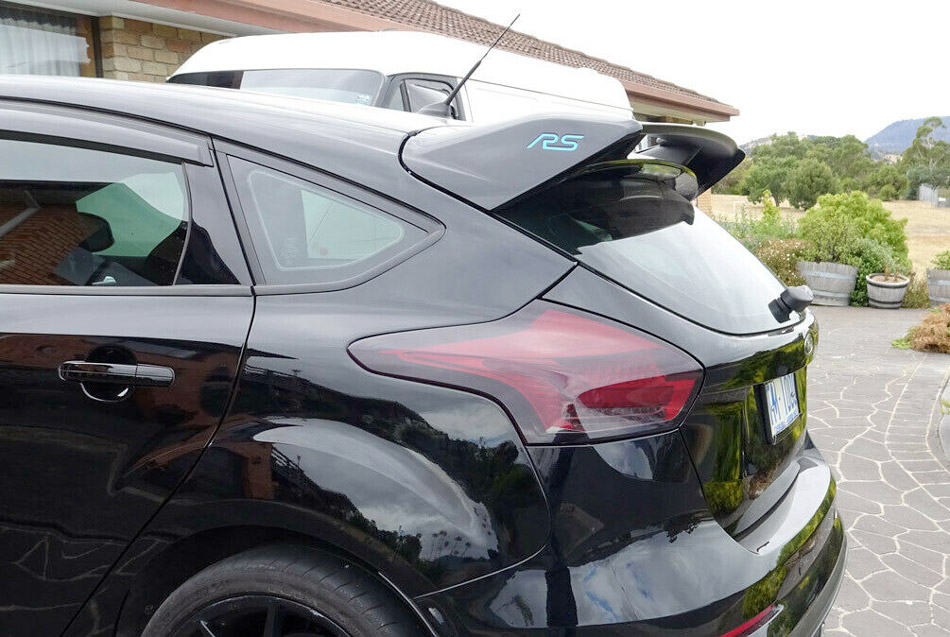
x=829 y=233
x=836 y=213
x=932 y=335
x=781 y=257
x=942 y=260
x=887 y=193
x=917 y=295
x=752 y=231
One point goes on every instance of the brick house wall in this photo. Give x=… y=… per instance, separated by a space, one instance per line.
x=143 y=51
x=31 y=251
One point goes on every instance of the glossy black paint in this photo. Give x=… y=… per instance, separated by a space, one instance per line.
x=81 y=477
x=272 y=433
x=725 y=431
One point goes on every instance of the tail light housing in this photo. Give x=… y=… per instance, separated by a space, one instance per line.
x=565 y=376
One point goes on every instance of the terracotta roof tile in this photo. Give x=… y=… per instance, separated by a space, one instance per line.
x=430 y=16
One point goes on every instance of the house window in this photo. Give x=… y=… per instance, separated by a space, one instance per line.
x=40 y=42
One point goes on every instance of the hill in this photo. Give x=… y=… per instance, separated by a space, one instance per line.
x=896 y=137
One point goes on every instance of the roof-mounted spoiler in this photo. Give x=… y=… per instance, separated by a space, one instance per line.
x=493 y=165
x=710 y=155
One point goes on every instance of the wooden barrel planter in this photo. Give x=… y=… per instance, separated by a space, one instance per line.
x=938 y=286
x=831 y=283
x=887 y=295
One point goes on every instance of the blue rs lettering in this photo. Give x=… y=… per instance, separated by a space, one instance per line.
x=553 y=141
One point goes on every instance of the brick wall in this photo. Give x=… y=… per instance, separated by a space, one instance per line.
x=704 y=202
x=137 y=50
x=32 y=250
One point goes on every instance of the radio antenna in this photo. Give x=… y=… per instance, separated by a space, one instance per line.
x=444 y=108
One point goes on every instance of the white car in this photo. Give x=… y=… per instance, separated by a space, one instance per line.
x=405 y=71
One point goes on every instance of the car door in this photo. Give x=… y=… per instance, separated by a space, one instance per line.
x=124 y=307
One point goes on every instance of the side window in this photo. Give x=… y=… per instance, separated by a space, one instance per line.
x=77 y=216
x=304 y=233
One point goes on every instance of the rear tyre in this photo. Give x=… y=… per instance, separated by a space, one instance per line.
x=283 y=591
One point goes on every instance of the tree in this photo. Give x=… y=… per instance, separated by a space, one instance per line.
x=849 y=158
x=780 y=146
x=768 y=173
x=810 y=179
x=731 y=184
x=885 y=182
x=927 y=160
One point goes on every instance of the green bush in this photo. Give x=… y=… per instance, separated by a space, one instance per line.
x=942 y=260
x=830 y=234
x=752 y=231
x=872 y=219
x=781 y=257
x=887 y=193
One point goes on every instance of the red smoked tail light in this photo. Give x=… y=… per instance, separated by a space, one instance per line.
x=565 y=376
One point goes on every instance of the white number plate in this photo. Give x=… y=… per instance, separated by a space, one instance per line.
x=781 y=401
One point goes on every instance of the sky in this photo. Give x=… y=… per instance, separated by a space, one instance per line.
x=830 y=67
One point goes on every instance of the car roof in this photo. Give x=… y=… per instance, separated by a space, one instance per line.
x=360 y=139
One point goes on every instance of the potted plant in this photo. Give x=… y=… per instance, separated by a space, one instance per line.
x=830 y=240
x=886 y=289
x=938 y=279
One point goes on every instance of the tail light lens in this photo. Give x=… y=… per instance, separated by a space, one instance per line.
x=565 y=376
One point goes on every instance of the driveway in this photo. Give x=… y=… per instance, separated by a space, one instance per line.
x=873 y=411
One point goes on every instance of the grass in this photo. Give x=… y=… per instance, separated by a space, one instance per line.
x=928 y=229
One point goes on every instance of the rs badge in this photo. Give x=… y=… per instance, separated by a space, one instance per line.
x=553 y=141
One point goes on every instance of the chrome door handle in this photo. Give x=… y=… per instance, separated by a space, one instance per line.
x=117 y=374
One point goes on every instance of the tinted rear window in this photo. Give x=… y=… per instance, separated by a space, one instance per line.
x=643 y=235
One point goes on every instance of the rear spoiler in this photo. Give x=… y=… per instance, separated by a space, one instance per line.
x=710 y=155
x=493 y=165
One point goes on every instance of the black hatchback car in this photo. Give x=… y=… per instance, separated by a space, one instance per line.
x=284 y=368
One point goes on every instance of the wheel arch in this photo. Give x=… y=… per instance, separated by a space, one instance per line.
x=168 y=564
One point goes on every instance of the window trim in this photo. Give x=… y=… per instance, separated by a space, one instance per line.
x=101 y=131
x=432 y=228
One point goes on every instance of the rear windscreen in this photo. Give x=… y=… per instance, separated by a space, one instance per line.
x=639 y=232
x=337 y=85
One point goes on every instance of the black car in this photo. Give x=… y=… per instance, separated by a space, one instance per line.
x=286 y=368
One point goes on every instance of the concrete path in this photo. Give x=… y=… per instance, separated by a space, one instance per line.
x=874 y=413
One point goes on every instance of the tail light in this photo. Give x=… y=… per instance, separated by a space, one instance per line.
x=564 y=376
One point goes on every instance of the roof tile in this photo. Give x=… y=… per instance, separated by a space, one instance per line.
x=430 y=16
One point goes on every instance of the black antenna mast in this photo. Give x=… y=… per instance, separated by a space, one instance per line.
x=444 y=108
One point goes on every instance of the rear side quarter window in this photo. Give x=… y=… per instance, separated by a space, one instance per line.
x=308 y=234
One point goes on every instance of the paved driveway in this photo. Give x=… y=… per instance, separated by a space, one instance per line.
x=873 y=411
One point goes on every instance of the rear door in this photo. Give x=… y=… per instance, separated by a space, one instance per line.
x=124 y=307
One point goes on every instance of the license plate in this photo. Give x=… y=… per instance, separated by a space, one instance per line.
x=781 y=401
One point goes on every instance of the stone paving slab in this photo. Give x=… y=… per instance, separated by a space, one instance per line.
x=874 y=411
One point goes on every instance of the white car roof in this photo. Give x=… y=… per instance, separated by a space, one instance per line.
x=394 y=52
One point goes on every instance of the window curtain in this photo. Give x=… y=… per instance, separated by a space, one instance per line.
x=40 y=43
